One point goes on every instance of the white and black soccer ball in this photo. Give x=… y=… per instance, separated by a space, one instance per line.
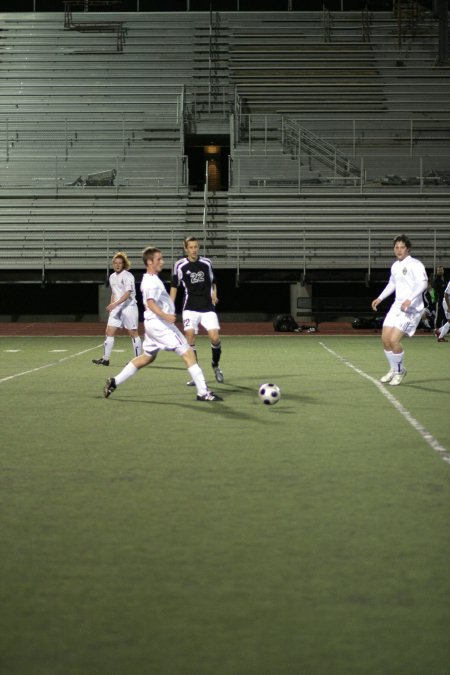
x=269 y=393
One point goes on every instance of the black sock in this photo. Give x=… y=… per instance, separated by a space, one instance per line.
x=216 y=351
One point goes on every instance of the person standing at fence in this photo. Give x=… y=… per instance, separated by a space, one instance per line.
x=439 y=284
x=408 y=280
x=194 y=273
x=443 y=330
x=160 y=331
x=123 y=309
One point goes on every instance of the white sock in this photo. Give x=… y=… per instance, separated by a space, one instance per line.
x=444 y=330
x=397 y=359
x=197 y=375
x=137 y=345
x=129 y=370
x=389 y=355
x=108 y=345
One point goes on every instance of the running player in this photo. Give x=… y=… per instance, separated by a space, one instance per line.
x=408 y=280
x=123 y=309
x=160 y=331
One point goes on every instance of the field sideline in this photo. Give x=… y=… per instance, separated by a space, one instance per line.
x=82 y=328
x=149 y=534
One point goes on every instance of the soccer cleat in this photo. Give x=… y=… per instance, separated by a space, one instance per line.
x=218 y=374
x=110 y=386
x=191 y=383
x=398 y=377
x=436 y=333
x=442 y=340
x=209 y=396
x=388 y=377
x=101 y=362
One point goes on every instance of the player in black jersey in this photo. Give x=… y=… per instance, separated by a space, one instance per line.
x=195 y=275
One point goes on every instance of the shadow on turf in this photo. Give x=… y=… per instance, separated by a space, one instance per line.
x=208 y=408
x=417 y=385
x=225 y=411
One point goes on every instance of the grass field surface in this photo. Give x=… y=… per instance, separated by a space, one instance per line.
x=151 y=534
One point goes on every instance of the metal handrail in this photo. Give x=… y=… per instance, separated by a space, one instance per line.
x=298 y=136
x=205 y=202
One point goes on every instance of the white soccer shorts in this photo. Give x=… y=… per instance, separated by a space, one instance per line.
x=446 y=310
x=160 y=335
x=407 y=322
x=126 y=317
x=192 y=320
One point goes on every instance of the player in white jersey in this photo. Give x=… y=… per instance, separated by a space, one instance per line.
x=160 y=331
x=408 y=280
x=123 y=309
x=443 y=330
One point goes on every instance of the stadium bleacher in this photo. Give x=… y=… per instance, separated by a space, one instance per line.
x=93 y=139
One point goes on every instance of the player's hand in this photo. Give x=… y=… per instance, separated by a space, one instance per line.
x=405 y=305
x=375 y=304
x=171 y=318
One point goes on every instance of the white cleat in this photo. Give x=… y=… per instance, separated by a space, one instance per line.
x=397 y=379
x=388 y=377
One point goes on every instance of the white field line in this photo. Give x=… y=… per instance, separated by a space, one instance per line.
x=427 y=437
x=48 y=365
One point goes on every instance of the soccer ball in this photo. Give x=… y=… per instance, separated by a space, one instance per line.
x=269 y=393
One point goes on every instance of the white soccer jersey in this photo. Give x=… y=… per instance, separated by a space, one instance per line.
x=409 y=280
x=120 y=284
x=446 y=292
x=152 y=288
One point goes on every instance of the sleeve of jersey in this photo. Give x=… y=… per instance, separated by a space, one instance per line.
x=129 y=285
x=210 y=269
x=148 y=293
x=388 y=290
x=421 y=282
x=175 y=280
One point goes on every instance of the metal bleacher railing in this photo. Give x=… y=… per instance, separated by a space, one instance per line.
x=243 y=245
x=86 y=26
x=51 y=149
x=362 y=154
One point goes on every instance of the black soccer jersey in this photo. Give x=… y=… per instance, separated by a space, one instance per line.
x=197 y=279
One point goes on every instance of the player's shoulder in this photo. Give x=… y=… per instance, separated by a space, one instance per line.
x=205 y=260
x=181 y=262
x=417 y=263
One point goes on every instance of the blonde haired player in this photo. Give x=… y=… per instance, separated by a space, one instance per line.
x=123 y=309
x=408 y=280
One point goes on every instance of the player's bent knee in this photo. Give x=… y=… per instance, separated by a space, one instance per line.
x=189 y=357
x=144 y=360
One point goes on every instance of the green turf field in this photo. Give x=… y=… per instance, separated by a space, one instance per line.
x=151 y=534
